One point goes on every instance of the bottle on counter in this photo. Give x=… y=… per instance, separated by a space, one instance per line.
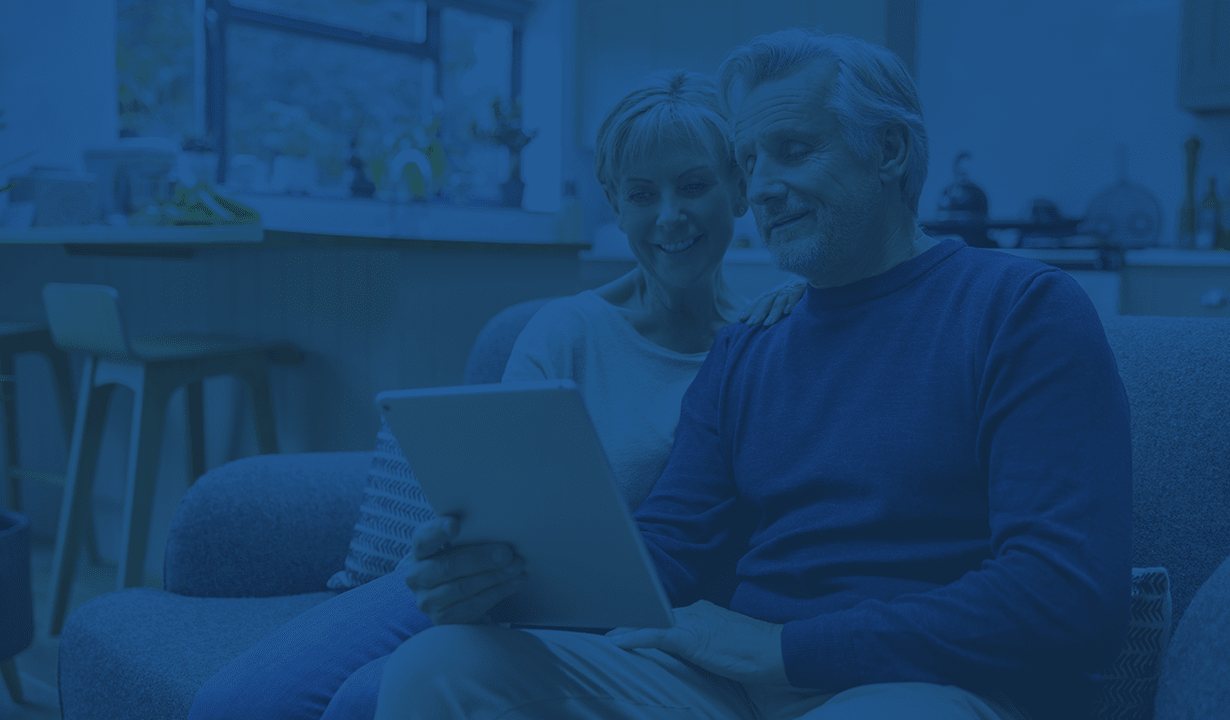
x=1208 y=219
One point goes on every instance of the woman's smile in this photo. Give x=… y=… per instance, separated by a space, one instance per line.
x=679 y=247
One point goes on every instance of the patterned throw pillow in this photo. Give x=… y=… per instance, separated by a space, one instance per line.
x=393 y=505
x=1130 y=683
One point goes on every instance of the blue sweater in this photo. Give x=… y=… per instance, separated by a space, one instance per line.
x=925 y=475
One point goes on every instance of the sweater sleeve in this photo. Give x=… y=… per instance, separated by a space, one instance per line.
x=541 y=351
x=1054 y=444
x=688 y=520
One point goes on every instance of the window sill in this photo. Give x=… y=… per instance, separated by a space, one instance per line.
x=360 y=218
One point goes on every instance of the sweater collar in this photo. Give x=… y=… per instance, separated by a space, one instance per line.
x=820 y=299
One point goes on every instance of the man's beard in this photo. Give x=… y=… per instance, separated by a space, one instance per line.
x=835 y=241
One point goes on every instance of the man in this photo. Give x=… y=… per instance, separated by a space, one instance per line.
x=921 y=478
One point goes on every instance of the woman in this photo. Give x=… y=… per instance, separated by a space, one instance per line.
x=632 y=346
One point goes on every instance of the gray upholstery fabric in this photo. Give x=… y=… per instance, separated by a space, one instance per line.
x=143 y=653
x=249 y=529
x=1195 y=682
x=280 y=525
x=495 y=341
x=1177 y=375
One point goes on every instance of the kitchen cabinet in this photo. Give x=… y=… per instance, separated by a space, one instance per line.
x=1204 y=56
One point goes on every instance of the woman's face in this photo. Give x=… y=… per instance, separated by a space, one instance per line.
x=678 y=207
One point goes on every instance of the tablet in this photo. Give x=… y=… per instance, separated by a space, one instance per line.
x=520 y=463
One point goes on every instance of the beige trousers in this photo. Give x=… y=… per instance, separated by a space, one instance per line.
x=470 y=672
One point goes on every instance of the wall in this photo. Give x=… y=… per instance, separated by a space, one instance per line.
x=57 y=80
x=1043 y=93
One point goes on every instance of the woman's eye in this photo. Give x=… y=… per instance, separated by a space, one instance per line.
x=640 y=196
x=696 y=187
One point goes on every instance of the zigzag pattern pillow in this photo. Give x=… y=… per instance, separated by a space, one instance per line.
x=393 y=505
x=1130 y=683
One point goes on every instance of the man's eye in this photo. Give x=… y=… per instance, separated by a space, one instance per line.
x=794 y=152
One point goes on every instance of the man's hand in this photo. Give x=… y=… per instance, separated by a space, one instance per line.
x=721 y=641
x=459 y=585
x=775 y=304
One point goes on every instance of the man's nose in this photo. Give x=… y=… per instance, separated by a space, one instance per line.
x=764 y=185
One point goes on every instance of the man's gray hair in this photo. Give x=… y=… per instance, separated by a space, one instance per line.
x=872 y=89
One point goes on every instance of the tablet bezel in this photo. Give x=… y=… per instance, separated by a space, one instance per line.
x=521 y=463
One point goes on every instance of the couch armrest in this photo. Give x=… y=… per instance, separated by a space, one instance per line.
x=266 y=525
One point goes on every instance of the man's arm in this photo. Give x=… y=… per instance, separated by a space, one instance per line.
x=689 y=520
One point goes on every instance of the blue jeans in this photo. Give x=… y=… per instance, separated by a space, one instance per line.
x=325 y=664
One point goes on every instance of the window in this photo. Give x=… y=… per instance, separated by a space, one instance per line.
x=384 y=98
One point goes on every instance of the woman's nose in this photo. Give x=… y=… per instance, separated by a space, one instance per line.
x=671 y=212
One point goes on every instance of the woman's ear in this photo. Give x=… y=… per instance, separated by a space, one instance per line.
x=619 y=220
x=740 y=206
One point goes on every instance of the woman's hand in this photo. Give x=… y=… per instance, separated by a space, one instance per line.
x=775 y=304
x=459 y=585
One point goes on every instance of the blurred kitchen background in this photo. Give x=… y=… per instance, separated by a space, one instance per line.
x=418 y=166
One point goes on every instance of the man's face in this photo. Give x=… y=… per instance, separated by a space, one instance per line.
x=816 y=202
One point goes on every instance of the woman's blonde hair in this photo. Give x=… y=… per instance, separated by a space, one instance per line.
x=678 y=106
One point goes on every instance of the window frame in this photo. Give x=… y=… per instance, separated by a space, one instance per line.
x=219 y=14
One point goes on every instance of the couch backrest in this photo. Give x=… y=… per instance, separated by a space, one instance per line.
x=1176 y=372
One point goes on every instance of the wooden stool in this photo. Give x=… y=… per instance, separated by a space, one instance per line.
x=17 y=338
x=86 y=318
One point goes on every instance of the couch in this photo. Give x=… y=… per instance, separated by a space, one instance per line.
x=253 y=542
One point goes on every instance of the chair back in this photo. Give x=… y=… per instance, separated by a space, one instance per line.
x=86 y=318
x=1176 y=372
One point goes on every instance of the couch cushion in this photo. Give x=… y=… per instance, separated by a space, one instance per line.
x=393 y=506
x=142 y=653
x=1195 y=682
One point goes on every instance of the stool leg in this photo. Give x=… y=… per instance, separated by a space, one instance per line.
x=8 y=398
x=148 y=413
x=257 y=381
x=9 y=669
x=78 y=485
x=63 y=377
x=196 y=430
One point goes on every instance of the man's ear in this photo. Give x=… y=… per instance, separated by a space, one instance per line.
x=894 y=152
